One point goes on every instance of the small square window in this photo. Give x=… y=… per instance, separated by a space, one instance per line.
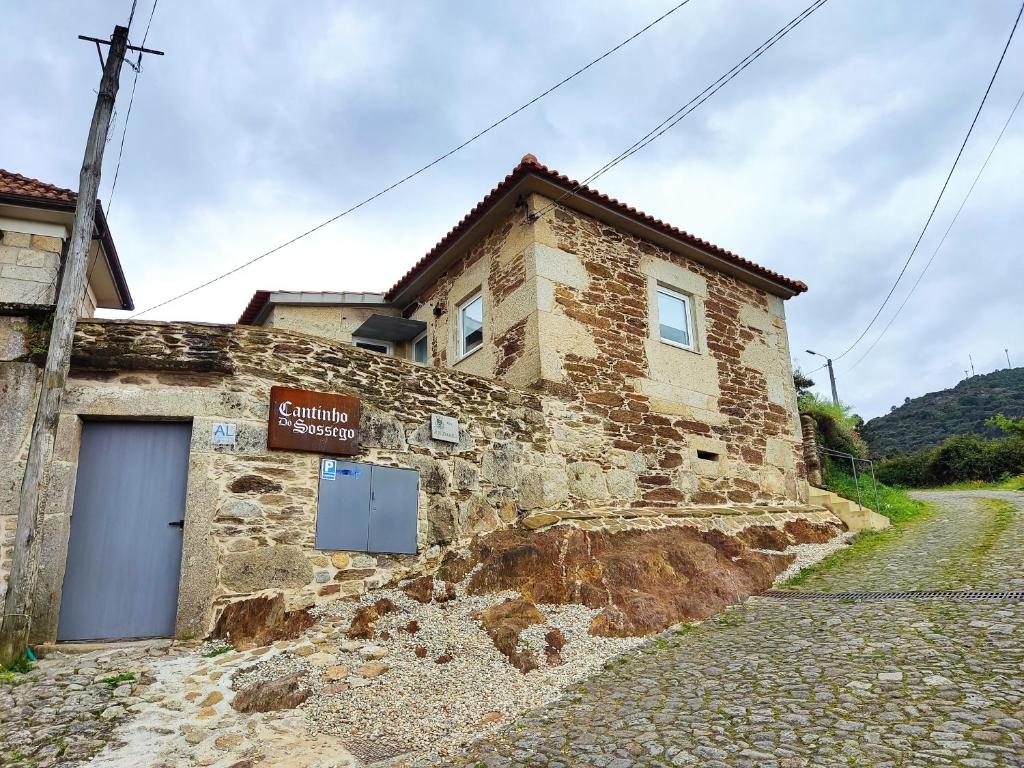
x=471 y=325
x=674 y=322
x=383 y=347
x=421 y=349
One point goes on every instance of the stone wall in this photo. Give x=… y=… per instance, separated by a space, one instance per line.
x=28 y=267
x=250 y=512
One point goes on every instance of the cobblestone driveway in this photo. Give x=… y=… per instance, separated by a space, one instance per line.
x=787 y=683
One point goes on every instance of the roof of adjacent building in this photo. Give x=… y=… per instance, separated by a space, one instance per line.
x=16 y=189
x=571 y=193
x=262 y=301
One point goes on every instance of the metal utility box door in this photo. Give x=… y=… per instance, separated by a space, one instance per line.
x=124 y=552
x=367 y=508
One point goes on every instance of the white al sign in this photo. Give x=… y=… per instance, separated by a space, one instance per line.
x=224 y=434
x=444 y=428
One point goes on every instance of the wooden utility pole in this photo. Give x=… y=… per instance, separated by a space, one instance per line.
x=14 y=631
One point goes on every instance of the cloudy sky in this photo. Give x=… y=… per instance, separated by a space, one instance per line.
x=820 y=161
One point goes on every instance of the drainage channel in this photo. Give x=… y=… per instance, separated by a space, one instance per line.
x=835 y=597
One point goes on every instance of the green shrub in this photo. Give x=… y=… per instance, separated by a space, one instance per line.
x=961 y=459
x=835 y=425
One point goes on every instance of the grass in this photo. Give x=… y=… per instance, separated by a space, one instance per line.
x=1015 y=483
x=895 y=504
x=115 y=680
x=219 y=650
x=11 y=672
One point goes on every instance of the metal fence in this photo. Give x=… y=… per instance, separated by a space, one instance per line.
x=826 y=453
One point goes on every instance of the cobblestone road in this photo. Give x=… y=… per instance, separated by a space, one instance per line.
x=787 y=683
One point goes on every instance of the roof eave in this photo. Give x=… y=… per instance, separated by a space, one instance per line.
x=100 y=227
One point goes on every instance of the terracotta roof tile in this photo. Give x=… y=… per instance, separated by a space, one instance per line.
x=16 y=184
x=530 y=164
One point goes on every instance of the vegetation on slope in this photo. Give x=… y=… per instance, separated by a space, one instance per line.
x=926 y=421
x=963 y=459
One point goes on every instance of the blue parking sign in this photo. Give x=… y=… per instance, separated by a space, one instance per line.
x=328 y=469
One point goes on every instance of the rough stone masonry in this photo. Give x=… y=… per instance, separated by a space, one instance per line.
x=250 y=512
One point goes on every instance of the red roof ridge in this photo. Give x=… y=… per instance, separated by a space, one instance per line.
x=530 y=164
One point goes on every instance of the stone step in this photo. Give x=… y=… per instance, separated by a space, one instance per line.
x=856 y=517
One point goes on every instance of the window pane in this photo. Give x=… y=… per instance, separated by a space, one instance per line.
x=373 y=347
x=420 y=349
x=675 y=325
x=472 y=324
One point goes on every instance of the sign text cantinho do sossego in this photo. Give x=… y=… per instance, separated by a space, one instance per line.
x=301 y=420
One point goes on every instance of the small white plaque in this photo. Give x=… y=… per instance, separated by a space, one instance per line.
x=224 y=434
x=444 y=428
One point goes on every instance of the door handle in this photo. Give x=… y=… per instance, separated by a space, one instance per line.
x=177 y=523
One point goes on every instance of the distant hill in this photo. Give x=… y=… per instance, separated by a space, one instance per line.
x=928 y=420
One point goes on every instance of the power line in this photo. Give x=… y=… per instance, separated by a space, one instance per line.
x=423 y=168
x=942 y=191
x=945 y=234
x=131 y=100
x=673 y=119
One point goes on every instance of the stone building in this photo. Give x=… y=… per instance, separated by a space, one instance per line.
x=557 y=359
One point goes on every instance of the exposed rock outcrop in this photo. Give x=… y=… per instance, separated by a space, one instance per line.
x=644 y=581
x=283 y=693
x=505 y=622
x=260 y=621
x=364 y=623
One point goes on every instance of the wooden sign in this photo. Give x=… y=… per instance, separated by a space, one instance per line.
x=313 y=421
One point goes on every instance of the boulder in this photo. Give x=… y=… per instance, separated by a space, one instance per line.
x=254 y=484
x=364 y=622
x=586 y=480
x=465 y=476
x=442 y=517
x=433 y=474
x=542 y=487
x=621 y=483
x=498 y=466
x=554 y=642
x=505 y=622
x=282 y=565
x=764 y=537
x=282 y=693
x=381 y=430
x=806 y=532
x=260 y=621
x=421 y=590
x=477 y=516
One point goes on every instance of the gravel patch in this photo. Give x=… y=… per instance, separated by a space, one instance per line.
x=811 y=554
x=421 y=706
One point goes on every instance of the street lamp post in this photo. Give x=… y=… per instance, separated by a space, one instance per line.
x=831 y=374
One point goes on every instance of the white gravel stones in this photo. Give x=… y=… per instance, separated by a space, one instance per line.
x=436 y=708
x=810 y=554
x=373 y=652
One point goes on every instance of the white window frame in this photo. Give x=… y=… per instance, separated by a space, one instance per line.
x=386 y=344
x=463 y=352
x=687 y=313
x=412 y=349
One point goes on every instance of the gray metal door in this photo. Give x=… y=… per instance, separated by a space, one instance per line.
x=343 y=510
x=393 y=502
x=124 y=555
